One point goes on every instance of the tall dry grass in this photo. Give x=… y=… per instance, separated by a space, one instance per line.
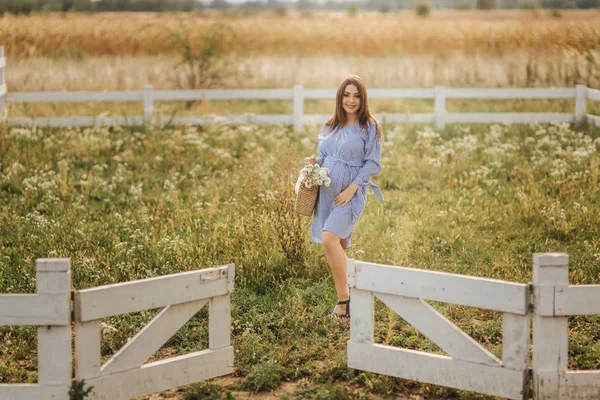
x=444 y=33
x=455 y=49
x=566 y=68
x=132 y=73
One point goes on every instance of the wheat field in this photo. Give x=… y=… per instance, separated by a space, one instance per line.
x=509 y=48
x=444 y=33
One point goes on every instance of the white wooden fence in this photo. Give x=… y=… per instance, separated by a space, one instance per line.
x=2 y=85
x=469 y=366
x=298 y=94
x=50 y=311
x=555 y=300
x=124 y=375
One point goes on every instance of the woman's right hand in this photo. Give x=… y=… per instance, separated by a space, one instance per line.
x=310 y=160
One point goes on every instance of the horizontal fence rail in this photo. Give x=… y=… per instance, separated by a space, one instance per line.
x=468 y=365
x=441 y=286
x=126 y=375
x=298 y=94
x=145 y=294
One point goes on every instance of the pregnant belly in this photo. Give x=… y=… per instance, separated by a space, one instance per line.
x=341 y=175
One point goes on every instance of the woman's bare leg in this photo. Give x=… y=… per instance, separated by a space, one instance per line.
x=336 y=257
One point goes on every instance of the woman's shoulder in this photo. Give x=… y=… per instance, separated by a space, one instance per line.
x=325 y=130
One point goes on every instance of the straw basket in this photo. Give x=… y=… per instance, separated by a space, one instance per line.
x=306 y=199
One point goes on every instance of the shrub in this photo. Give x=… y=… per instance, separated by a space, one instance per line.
x=352 y=10
x=204 y=62
x=78 y=391
x=206 y=391
x=464 y=5
x=422 y=8
x=385 y=7
x=280 y=9
x=52 y=6
x=328 y=391
x=264 y=376
x=487 y=4
x=529 y=5
x=18 y=6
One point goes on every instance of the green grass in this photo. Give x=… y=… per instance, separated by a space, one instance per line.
x=127 y=204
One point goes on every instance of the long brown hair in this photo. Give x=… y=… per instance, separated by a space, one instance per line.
x=339 y=119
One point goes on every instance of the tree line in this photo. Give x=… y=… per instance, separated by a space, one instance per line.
x=29 y=6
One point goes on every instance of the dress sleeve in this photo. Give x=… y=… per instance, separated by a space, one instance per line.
x=319 y=153
x=372 y=158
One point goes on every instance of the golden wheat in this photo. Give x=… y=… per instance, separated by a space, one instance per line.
x=444 y=33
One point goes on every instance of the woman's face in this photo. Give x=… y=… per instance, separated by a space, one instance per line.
x=351 y=100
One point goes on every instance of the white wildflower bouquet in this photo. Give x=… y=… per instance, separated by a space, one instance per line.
x=311 y=177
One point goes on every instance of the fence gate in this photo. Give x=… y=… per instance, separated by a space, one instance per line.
x=469 y=365
x=125 y=375
x=555 y=301
x=49 y=310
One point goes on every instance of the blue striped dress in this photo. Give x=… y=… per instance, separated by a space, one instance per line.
x=352 y=154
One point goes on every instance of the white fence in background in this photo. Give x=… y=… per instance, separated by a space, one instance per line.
x=298 y=94
x=2 y=85
x=469 y=366
x=124 y=375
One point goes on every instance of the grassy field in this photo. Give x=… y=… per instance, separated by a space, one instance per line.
x=128 y=203
x=125 y=204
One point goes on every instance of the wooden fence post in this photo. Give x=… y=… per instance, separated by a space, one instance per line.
x=580 y=103
x=148 y=105
x=550 y=333
x=54 y=342
x=219 y=315
x=2 y=96
x=440 y=108
x=298 y=107
x=362 y=323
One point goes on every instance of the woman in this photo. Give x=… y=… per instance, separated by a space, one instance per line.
x=350 y=147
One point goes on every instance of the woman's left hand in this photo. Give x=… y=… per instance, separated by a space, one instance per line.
x=345 y=196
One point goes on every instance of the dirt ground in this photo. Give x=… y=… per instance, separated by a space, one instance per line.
x=285 y=387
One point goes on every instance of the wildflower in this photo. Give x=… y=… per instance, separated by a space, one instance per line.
x=168 y=185
x=313 y=174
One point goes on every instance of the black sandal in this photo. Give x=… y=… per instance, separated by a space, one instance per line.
x=346 y=315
